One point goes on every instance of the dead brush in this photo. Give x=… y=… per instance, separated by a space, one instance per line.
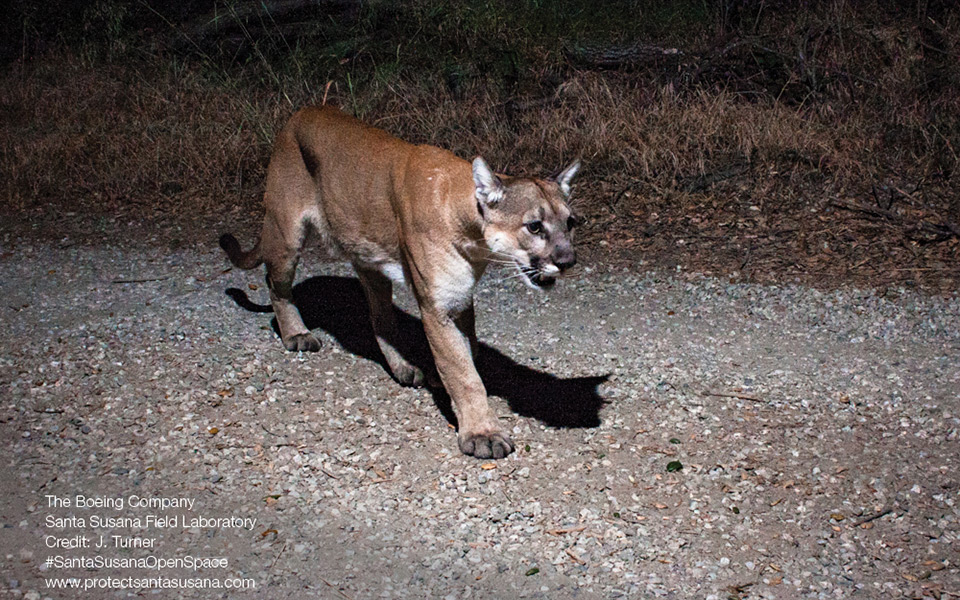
x=666 y=137
x=124 y=134
x=111 y=137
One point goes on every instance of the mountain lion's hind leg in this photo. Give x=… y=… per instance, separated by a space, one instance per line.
x=282 y=255
x=379 y=291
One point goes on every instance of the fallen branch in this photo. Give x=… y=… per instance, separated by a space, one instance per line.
x=944 y=230
x=866 y=208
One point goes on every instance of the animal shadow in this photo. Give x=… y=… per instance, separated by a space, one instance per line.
x=338 y=306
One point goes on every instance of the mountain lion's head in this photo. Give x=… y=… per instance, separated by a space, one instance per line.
x=527 y=222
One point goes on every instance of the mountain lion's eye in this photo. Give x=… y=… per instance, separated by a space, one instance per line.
x=535 y=227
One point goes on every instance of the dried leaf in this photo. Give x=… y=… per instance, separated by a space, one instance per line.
x=934 y=565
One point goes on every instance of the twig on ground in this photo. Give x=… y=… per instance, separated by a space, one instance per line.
x=46 y=483
x=263 y=427
x=746 y=259
x=335 y=588
x=565 y=530
x=865 y=208
x=866 y=520
x=663 y=451
x=733 y=395
x=375 y=481
x=279 y=554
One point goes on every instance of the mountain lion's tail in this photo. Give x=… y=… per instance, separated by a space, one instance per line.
x=239 y=258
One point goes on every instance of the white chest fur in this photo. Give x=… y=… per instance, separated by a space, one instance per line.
x=453 y=285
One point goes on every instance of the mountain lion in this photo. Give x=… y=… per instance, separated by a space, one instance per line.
x=418 y=214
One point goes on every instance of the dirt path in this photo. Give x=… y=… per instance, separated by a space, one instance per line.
x=817 y=433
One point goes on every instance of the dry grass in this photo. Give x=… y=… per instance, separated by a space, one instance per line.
x=124 y=133
x=119 y=133
x=110 y=136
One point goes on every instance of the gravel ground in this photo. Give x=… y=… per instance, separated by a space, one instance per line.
x=817 y=434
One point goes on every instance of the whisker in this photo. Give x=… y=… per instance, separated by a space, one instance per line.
x=516 y=276
x=500 y=254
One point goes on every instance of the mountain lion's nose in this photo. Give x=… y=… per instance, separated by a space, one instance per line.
x=564 y=257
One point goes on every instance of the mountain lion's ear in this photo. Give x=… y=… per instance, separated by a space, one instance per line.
x=566 y=176
x=489 y=187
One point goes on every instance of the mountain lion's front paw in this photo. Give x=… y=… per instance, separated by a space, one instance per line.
x=486 y=445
